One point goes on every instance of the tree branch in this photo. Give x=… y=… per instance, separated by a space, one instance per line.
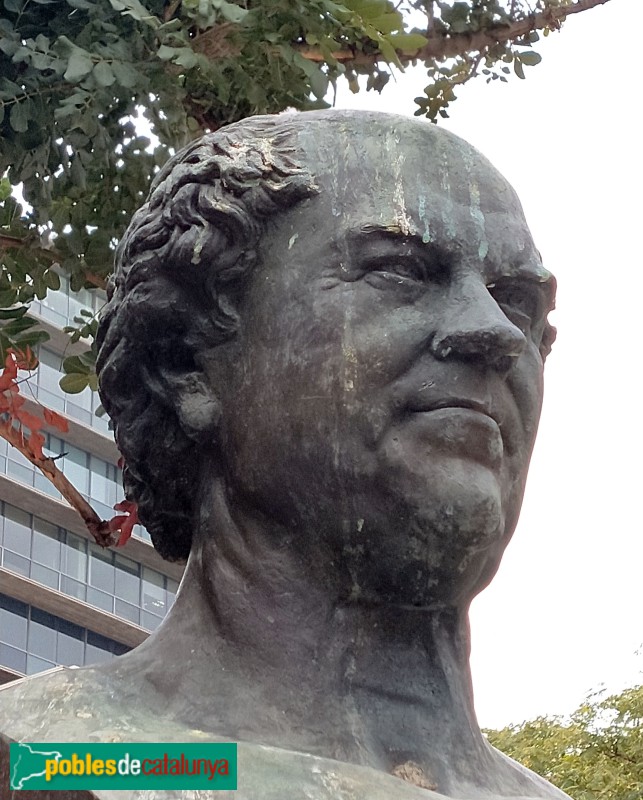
x=170 y=10
x=215 y=44
x=441 y=46
x=98 y=528
x=16 y=243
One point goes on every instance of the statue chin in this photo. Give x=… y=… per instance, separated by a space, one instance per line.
x=435 y=553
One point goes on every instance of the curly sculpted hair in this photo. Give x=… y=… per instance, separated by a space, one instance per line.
x=180 y=270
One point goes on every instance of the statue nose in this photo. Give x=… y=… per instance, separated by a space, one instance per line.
x=479 y=331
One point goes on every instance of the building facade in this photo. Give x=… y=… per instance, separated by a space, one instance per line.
x=63 y=599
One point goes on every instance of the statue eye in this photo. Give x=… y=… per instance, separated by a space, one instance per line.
x=520 y=301
x=404 y=271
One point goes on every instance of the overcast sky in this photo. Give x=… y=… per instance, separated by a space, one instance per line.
x=564 y=614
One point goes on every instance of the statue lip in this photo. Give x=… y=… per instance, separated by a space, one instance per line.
x=455 y=403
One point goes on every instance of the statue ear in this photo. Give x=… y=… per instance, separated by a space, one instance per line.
x=198 y=408
x=189 y=394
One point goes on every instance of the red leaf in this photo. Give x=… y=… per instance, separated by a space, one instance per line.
x=35 y=442
x=126 y=529
x=55 y=420
x=124 y=522
x=9 y=375
x=121 y=462
x=30 y=420
x=11 y=365
x=127 y=506
x=114 y=524
x=16 y=401
x=25 y=359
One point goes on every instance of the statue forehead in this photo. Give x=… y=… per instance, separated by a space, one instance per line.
x=404 y=176
x=386 y=152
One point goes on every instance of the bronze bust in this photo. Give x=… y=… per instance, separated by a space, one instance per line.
x=323 y=355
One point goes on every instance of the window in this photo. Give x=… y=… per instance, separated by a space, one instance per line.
x=46 y=544
x=17 y=531
x=70 y=649
x=75 y=465
x=32 y=640
x=13 y=658
x=44 y=575
x=80 y=406
x=13 y=621
x=69 y=563
x=154 y=599
x=101 y=569
x=74 y=557
x=128 y=580
x=42 y=635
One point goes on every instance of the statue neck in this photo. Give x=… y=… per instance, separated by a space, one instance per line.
x=295 y=663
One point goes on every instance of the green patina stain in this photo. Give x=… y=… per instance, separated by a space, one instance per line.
x=426 y=236
x=474 y=208
x=446 y=206
x=478 y=218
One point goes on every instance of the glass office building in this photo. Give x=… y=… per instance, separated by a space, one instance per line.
x=63 y=599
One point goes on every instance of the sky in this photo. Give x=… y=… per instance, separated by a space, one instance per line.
x=564 y=615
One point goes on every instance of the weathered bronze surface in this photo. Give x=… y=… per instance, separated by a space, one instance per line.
x=323 y=356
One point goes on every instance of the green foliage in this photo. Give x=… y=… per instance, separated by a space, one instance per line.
x=80 y=370
x=75 y=73
x=17 y=332
x=596 y=754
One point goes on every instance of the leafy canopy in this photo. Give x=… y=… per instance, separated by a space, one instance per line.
x=596 y=754
x=74 y=74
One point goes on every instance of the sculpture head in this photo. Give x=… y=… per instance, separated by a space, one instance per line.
x=342 y=317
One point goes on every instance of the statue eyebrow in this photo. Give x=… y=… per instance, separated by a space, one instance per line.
x=394 y=230
x=399 y=233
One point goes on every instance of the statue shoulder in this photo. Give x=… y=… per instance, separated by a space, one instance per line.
x=68 y=705
x=96 y=704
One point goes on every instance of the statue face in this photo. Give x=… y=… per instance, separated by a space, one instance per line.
x=386 y=382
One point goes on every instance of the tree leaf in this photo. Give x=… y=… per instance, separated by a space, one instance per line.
x=388 y=51
x=165 y=53
x=79 y=66
x=388 y=23
x=8 y=297
x=186 y=57
x=13 y=313
x=74 y=383
x=231 y=11
x=74 y=365
x=52 y=280
x=319 y=83
x=136 y=10
x=103 y=74
x=530 y=58
x=125 y=74
x=19 y=117
x=407 y=43
x=31 y=338
x=18 y=325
